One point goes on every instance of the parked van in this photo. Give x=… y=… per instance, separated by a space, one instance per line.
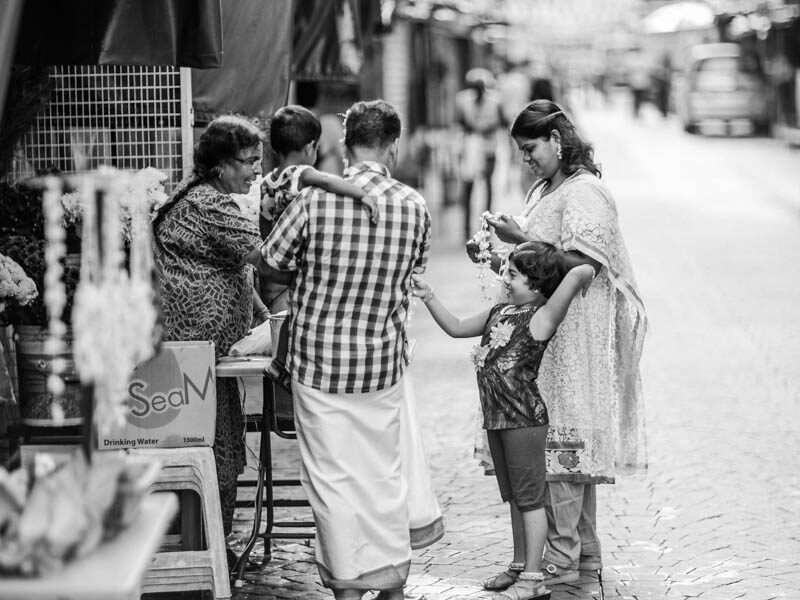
x=723 y=84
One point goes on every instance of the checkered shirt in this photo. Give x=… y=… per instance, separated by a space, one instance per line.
x=353 y=285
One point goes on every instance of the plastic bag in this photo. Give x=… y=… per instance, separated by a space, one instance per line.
x=257 y=341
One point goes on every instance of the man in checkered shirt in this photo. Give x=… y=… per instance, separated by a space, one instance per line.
x=350 y=295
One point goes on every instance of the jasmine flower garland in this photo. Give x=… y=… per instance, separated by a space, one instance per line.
x=55 y=294
x=484 y=256
x=114 y=315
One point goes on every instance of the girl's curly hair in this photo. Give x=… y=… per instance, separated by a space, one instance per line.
x=542 y=263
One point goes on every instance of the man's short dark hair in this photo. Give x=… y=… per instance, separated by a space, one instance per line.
x=373 y=124
x=293 y=127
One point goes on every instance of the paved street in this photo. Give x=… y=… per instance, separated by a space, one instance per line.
x=713 y=226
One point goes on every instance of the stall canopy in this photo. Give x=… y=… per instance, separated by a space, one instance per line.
x=254 y=77
x=270 y=42
x=330 y=35
x=185 y=33
x=10 y=12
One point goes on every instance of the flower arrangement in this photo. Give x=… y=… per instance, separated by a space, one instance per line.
x=16 y=288
x=109 y=283
x=145 y=185
x=22 y=234
x=29 y=254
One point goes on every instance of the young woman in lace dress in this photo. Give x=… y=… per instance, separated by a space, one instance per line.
x=590 y=374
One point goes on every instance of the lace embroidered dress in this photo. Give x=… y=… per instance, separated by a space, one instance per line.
x=590 y=373
x=507 y=366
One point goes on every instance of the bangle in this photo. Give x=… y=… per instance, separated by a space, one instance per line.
x=427 y=297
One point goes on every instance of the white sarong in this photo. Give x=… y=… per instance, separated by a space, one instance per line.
x=352 y=473
x=424 y=514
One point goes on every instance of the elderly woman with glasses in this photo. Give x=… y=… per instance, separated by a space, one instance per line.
x=201 y=238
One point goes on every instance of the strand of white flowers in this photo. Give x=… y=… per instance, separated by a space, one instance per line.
x=141 y=300
x=96 y=300
x=484 y=256
x=114 y=315
x=55 y=295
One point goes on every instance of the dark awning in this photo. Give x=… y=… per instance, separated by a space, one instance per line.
x=254 y=78
x=10 y=13
x=186 y=33
x=329 y=38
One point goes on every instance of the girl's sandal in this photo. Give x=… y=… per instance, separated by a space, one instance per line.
x=505 y=579
x=529 y=586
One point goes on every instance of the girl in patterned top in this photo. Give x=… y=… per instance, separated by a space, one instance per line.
x=514 y=338
x=294 y=136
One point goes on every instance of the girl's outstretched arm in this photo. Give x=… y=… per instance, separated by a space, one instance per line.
x=452 y=325
x=337 y=185
x=546 y=320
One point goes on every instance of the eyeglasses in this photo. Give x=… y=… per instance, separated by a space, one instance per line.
x=251 y=162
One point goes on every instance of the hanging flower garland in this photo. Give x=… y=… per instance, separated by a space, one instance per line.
x=55 y=294
x=114 y=314
x=484 y=256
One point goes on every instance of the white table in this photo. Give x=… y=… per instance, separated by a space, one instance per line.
x=113 y=571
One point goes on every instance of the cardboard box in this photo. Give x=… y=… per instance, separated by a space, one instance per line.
x=172 y=400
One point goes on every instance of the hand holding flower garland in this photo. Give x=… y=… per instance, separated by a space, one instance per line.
x=484 y=256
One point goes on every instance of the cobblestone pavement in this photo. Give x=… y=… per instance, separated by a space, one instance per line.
x=710 y=224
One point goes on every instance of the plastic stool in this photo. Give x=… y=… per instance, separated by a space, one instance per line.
x=190 y=469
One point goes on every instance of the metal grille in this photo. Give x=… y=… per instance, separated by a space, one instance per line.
x=129 y=117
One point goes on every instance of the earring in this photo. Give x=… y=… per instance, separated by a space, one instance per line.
x=558 y=151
